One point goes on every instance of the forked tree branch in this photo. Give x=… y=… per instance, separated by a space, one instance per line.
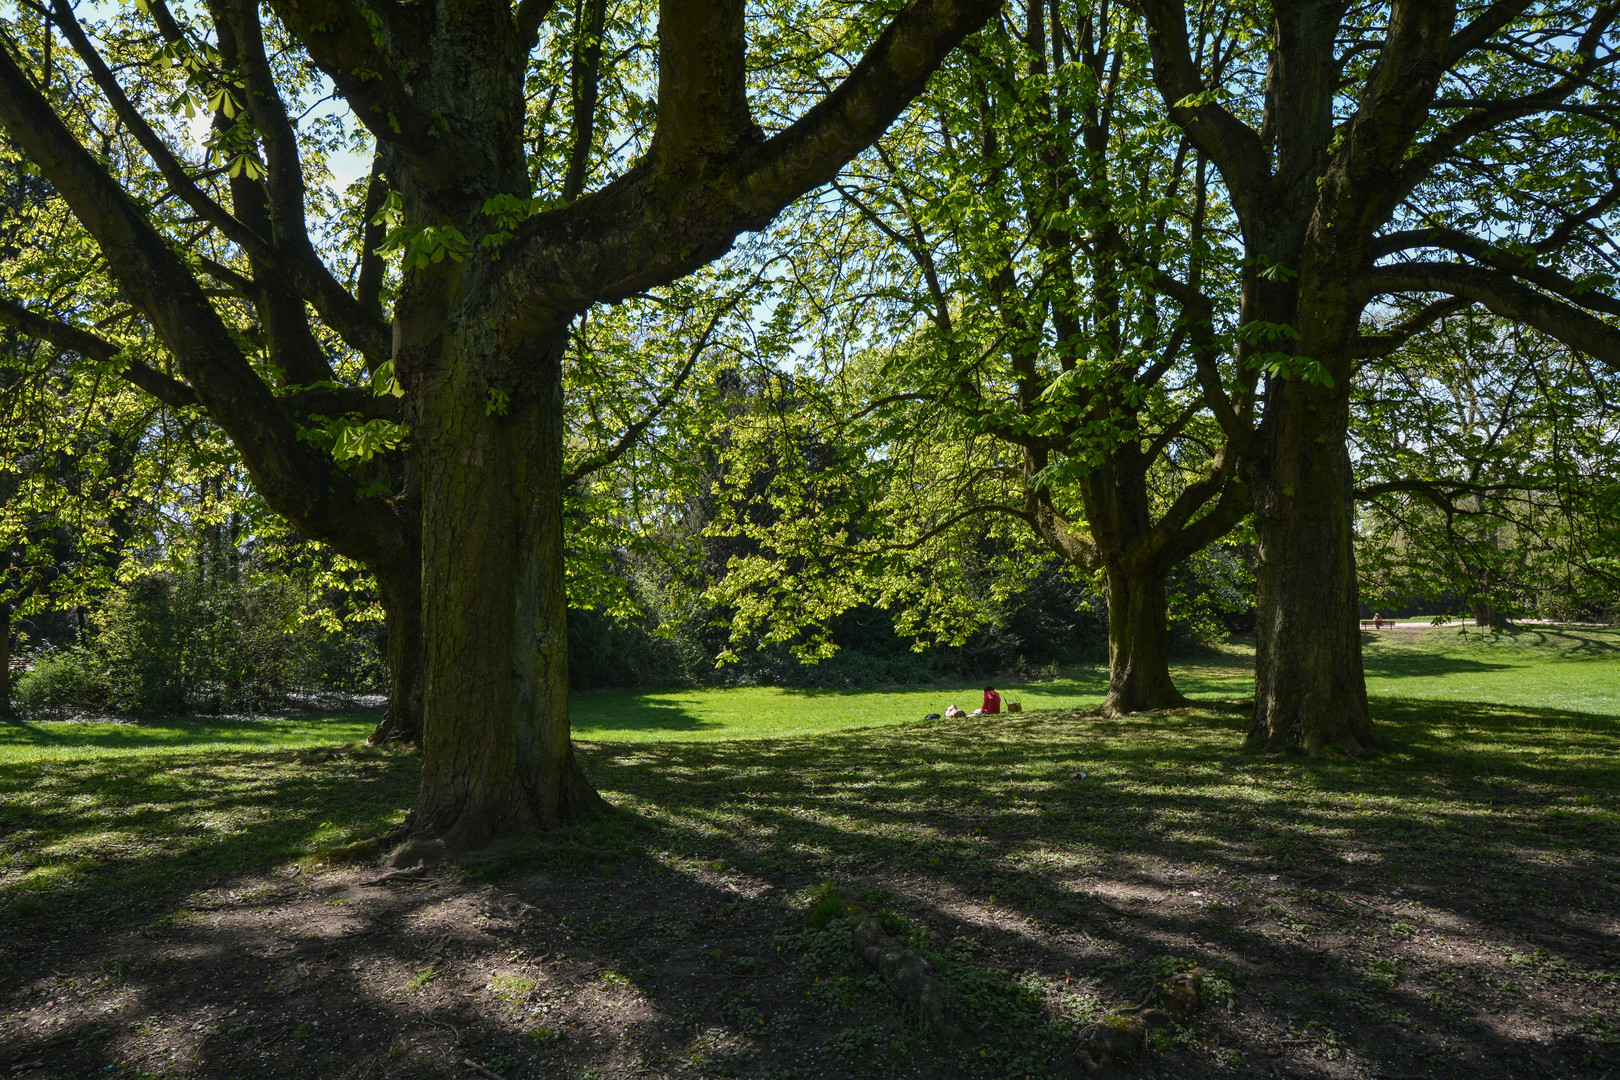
x=650 y=226
x=300 y=267
x=296 y=479
x=1504 y=295
x=63 y=335
x=346 y=41
x=1233 y=146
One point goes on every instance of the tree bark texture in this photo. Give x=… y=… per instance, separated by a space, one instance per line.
x=401 y=592
x=1139 y=643
x=1310 y=691
x=497 y=760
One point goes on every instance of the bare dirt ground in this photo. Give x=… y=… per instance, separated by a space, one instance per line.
x=1352 y=920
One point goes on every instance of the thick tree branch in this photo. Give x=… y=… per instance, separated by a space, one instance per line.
x=1172 y=431
x=1443 y=493
x=702 y=82
x=1199 y=312
x=1486 y=25
x=528 y=17
x=170 y=391
x=300 y=267
x=1522 y=267
x=1393 y=106
x=1056 y=533
x=1372 y=346
x=650 y=227
x=260 y=204
x=1421 y=163
x=1504 y=295
x=1234 y=147
x=346 y=45
x=335 y=401
x=369 y=281
x=585 y=78
x=1221 y=475
x=284 y=166
x=293 y=477
x=238 y=283
x=1233 y=506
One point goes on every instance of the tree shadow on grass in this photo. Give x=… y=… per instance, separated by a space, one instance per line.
x=1573 y=644
x=17 y=730
x=1470 y=827
x=1395 y=665
x=1476 y=738
x=633 y=712
x=1360 y=906
x=132 y=832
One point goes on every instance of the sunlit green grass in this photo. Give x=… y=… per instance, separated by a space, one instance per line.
x=58 y=739
x=110 y=812
x=758 y=712
x=1577 y=670
x=1572 y=670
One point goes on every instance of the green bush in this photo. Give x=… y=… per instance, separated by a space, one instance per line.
x=144 y=646
x=172 y=642
x=58 y=679
x=203 y=639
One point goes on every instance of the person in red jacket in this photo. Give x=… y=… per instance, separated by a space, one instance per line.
x=992 y=701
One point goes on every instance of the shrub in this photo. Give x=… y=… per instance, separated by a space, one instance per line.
x=59 y=678
x=172 y=641
x=146 y=646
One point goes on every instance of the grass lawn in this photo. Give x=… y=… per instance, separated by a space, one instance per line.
x=1448 y=908
x=1576 y=670
x=53 y=740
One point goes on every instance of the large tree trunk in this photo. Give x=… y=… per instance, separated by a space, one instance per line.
x=497 y=761
x=1310 y=691
x=401 y=591
x=1138 y=643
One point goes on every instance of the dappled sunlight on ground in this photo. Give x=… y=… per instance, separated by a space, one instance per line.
x=1447 y=908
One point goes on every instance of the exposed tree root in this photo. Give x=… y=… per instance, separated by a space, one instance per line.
x=907 y=973
x=1116 y=1039
x=368 y=850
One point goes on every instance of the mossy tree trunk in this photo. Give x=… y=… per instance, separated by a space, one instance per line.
x=1139 y=642
x=497 y=760
x=1310 y=691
